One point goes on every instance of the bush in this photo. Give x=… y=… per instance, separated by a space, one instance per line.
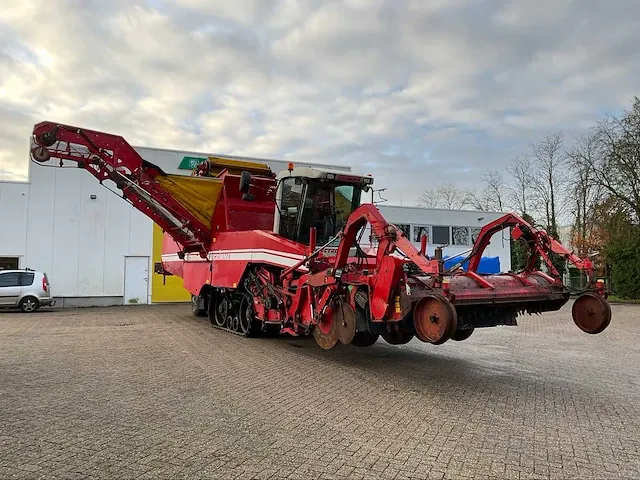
x=624 y=256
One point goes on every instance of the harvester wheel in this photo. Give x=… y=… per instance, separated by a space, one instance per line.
x=591 y=313
x=221 y=312
x=461 y=335
x=435 y=319
x=247 y=316
x=364 y=339
x=40 y=154
x=345 y=316
x=326 y=331
x=398 y=337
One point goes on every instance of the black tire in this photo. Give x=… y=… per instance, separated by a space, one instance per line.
x=461 y=335
x=364 y=339
x=217 y=317
x=29 y=304
x=398 y=337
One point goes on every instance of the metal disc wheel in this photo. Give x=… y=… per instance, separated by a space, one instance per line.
x=345 y=316
x=235 y=323
x=247 y=316
x=454 y=316
x=591 y=313
x=435 y=319
x=326 y=332
x=364 y=339
x=40 y=154
x=398 y=337
x=221 y=312
x=461 y=335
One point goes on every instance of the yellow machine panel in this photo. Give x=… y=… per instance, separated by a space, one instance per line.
x=198 y=195
x=235 y=167
x=171 y=290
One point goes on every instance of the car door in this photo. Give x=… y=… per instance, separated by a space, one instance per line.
x=9 y=288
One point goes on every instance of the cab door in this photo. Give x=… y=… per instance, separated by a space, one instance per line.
x=9 y=288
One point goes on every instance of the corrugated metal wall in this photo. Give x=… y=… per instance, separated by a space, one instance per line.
x=79 y=241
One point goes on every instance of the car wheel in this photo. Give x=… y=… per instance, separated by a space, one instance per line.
x=29 y=304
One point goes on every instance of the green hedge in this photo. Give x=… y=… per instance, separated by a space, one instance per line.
x=624 y=256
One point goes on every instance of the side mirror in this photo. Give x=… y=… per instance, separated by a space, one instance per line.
x=245 y=182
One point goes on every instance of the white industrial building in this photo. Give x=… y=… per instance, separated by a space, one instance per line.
x=97 y=250
x=452 y=230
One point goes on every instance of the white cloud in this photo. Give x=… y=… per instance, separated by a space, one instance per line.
x=414 y=92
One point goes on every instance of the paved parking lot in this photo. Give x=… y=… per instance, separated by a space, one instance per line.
x=152 y=392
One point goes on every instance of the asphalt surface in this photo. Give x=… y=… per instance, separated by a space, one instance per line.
x=152 y=392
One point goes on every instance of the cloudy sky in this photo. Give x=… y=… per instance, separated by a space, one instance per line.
x=416 y=92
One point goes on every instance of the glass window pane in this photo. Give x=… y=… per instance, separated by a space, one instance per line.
x=404 y=228
x=418 y=231
x=475 y=231
x=440 y=235
x=460 y=235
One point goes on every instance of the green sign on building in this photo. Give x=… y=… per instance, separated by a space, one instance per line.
x=189 y=163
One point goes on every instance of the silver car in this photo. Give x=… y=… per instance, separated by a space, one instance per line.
x=25 y=289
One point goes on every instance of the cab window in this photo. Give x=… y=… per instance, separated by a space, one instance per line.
x=291 y=195
x=327 y=208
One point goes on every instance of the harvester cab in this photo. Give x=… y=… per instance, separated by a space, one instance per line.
x=316 y=198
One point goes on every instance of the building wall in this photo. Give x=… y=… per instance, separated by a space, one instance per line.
x=471 y=221
x=13 y=220
x=82 y=242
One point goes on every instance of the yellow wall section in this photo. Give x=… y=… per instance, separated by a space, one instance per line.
x=172 y=290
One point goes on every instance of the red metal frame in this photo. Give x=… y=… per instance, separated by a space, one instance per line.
x=238 y=250
x=110 y=157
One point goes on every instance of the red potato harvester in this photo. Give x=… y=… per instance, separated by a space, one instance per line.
x=260 y=251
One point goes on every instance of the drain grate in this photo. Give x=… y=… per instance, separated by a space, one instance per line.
x=123 y=324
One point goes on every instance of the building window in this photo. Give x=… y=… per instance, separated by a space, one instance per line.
x=418 y=231
x=405 y=229
x=8 y=263
x=440 y=236
x=475 y=231
x=460 y=235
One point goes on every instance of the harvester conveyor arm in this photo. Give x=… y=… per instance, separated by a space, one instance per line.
x=388 y=235
x=539 y=241
x=110 y=157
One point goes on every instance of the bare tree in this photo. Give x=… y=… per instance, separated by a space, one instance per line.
x=521 y=172
x=444 y=196
x=584 y=191
x=495 y=188
x=617 y=168
x=549 y=178
x=478 y=200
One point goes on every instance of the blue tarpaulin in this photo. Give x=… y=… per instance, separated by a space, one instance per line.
x=488 y=265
